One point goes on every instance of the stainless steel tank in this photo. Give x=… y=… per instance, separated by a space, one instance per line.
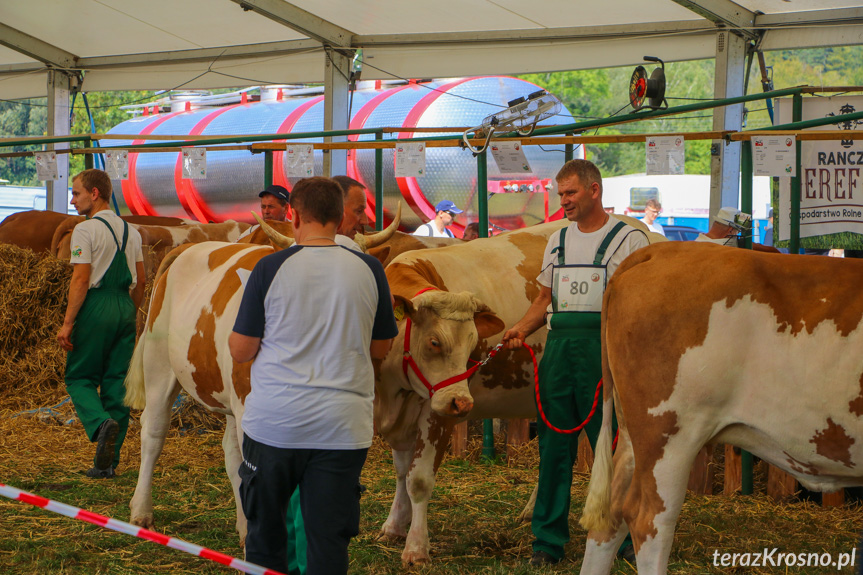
x=234 y=178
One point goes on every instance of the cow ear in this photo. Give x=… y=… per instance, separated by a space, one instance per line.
x=487 y=322
x=402 y=306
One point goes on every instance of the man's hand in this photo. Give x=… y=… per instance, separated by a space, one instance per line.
x=513 y=338
x=78 y=287
x=533 y=319
x=64 y=337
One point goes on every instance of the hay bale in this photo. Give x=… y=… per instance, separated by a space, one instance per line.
x=33 y=292
x=33 y=289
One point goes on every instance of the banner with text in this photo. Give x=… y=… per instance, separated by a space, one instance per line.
x=831 y=186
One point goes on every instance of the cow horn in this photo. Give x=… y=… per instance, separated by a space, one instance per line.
x=374 y=240
x=282 y=242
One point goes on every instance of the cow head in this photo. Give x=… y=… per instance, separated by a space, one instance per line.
x=446 y=328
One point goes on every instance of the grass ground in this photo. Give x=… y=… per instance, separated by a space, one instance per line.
x=472 y=519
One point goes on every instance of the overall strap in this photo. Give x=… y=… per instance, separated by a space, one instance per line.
x=600 y=253
x=113 y=235
x=560 y=249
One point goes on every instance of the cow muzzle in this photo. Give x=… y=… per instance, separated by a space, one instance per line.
x=452 y=404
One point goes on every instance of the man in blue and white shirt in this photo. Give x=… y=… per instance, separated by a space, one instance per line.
x=312 y=317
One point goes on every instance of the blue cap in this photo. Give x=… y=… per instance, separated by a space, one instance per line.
x=446 y=206
x=278 y=191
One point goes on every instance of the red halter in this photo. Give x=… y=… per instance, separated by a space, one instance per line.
x=408 y=360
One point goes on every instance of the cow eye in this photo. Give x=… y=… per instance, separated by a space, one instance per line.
x=435 y=343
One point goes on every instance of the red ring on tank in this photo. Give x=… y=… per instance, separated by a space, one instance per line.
x=132 y=194
x=358 y=122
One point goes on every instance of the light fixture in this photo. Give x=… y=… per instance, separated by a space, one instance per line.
x=522 y=116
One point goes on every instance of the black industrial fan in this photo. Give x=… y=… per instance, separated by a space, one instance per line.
x=653 y=88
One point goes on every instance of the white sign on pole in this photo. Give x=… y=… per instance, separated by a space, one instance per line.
x=194 y=163
x=46 y=166
x=410 y=159
x=117 y=164
x=831 y=182
x=665 y=155
x=774 y=156
x=299 y=160
x=510 y=158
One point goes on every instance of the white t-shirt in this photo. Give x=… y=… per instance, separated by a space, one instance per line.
x=249 y=231
x=92 y=244
x=581 y=248
x=316 y=310
x=347 y=242
x=655 y=227
x=430 y=230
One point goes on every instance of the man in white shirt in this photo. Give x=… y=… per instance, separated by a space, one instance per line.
x=577 y=263
x=445 y=212
x=652 y=209
x=98 y=331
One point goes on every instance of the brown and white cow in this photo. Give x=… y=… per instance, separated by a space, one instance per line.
x=401 y=243
x=62 y=233
x=156 y=240
x=703 y=344
x=32 y=229
x=475 y=290
x=185 y=344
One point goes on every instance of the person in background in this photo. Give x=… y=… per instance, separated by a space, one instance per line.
x=471 y=232
x=98 y=330
x=274 y=203
x=652 y=209
x=768 y=230
x=308 y=421
x=274 y=206
x=355 y=219
x=727 y=225
x=445 y=212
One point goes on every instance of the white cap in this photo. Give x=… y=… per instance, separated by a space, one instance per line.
x=733 y=217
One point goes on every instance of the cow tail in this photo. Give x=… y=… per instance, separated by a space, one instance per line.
x=597 y=507
x=136 y=396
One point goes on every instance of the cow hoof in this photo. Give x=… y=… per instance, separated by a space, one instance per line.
x=415 y=558
x=146 y=522
x=525 y=517
x=391 y=536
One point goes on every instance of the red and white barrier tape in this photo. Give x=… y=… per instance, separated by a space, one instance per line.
x=129 y=529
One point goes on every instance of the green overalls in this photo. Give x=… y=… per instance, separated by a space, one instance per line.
x=103 y=340
x=569 y=372
x=297 y=544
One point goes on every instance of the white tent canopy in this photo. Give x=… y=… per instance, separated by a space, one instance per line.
x=163 y=44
